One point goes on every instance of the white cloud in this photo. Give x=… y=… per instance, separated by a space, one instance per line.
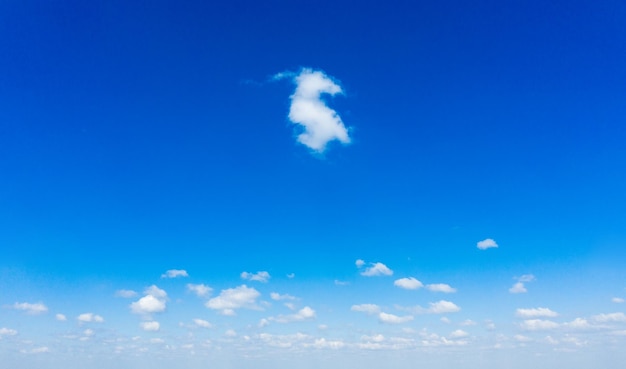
x=617 y=300
x=127 y=294
x=359 y=263
x=521 y=338
x=291 y=275
x=445 y=320
x=486 y=244
x=155 y=291
x=526 y=278
x=230 y=333
x=321 y=124
x=440 y=287
x=612 y=317
x=151 y=326
x=89 y=332
x=467 y=323
x=36 y=350
x=258 y=276
x=33 y=309
x=202 y=323
x=374 y=338
x=305 y=313
x=538 y=325
x=535 y=313
x=439 y=307
x=175 y=273
x=366 y=308
x=234 y=298
x=90 y=318
x=579 y=323
x=60 y=317
x=154 y=301
x=7 y=332
x=201 y=290
x=408 y=283
x=341 y=283
x=323 y=343
x=376 y=269
x=518 y=288
x=459 y=333
x=393 y=319
x=278 y=297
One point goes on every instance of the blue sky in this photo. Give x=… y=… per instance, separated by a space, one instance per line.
x=296 y=184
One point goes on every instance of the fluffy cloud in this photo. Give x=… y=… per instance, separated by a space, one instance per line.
x=7 y=332
x=201 y=290
x=535 y=313
x=439 y=307
x=151 y=326
x=175 y=273
x=519 y=287
x=322 y=343
x=321 y=124
x=608 y=318
x=359 y=263
x=440 y=287
x=278 y=297
x=234 y=298
x=366 y=308
x=33 y=309
x=202 y=323
x=538 y=325
x=90 y=318
x=393 y=319
x=60 y=317
x=154 y=301
x=617 y=300
x=375 y=269
x=127 y=294
x=258 y=276
x=486 y=244
x=305 y=313
x=408 y=283
x=459 y=333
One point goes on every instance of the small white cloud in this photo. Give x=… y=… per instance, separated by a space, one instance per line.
x=359 y=263
x=32 y=309
x=305 y=313
x=535 y=313
x=263 y=323
x=127 y=294
x=408 y=283
x=521 y=338
x=518 y=288
x=7 y=332
x=467 y=323
x=151 y=326
x=175 y=273
x=278 y=297
x=441 y=287
x=374 y=338
x=322 y=343
x=230 y=333
x=393 y=319
x=291 y=275
x=258 y=276
x=321 y=124
x=486 y=244
x=202 y=323
x=154 y=301
x=376 y=269
x=526 y=278
x=90 y=318
x=36 y=350
x=60 y=317
x=579 y=323
x=234 y=298
x=201 y=290
x=445 y=320
x=89 y=332
x=459 y=333
x=439 y=307
x=617 y=300
x=366 y=308
x=612 y=317
x=538 y=325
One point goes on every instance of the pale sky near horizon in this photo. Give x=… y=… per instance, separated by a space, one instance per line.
x=290 y=184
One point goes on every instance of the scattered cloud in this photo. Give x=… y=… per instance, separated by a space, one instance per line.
x=154 y=301
x=36 y=350
x=359 y=263
x=90 y=318
x=538 y=325
x=440 y=287
x=393 y=319
x=278 y=297
x=234 y=298
x=127 y=294
x=305 y=313
x=408 y=283
x=201 y=290
x=519 y=286
x=609 y=318
x=175 y=273
x=151 y=326
x=258 y=276
x=526 y=278
x=320 y=123
x=617 y=300
x=366 y=308
x=60 y=317
x=374 y=269
x=341 y=283
x=486 y=244
x=467 y=323
x=535 y=313
x=32 y=309
x=459 y=333
x=7 y=332
x=202 y=323
x=439 y=307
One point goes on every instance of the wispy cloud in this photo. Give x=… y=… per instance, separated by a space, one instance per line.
x=278 y=297
x=306 y=313
x=175 y=273
x=234 y=298
x=33 y=309
x=320 y=123
x=374 y=269
x=519 y=286
x=7 y=332
x=439 y=307
x=366 y=308
x=201 y=290
x=261 y=276
x=535 y=313
x=151 y=326
x=127 y=294
x=440 y=287
x=538 y=325
x=486 y=244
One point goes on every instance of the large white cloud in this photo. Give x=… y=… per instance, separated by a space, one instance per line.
x=261 y=276
x=154 y=301
x=320 y=123
x=33 y=309
x=393 y=319
x=535 y=313
x=175 y=273
x=234 y=298
x=408 y=283
x=89 y=318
